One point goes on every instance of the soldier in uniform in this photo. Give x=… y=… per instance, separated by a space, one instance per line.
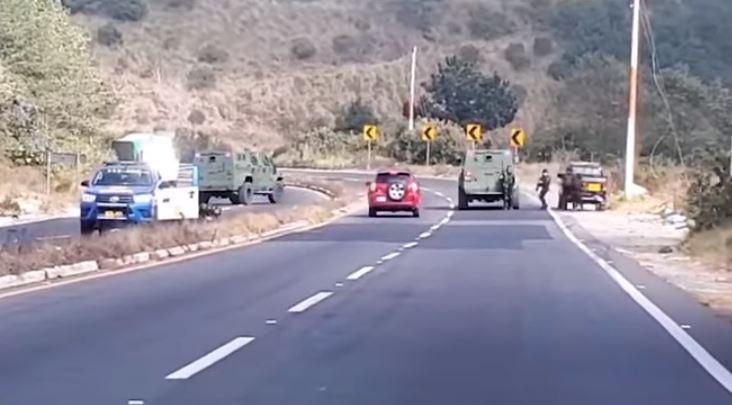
x=542 y=186
x=508 y=180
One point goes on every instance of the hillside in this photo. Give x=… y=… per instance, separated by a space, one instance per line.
x=263 y=70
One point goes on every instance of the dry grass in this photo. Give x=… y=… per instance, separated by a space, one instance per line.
x=23 y=191
x=264 y=94
x=713 y=246
x=125 y=242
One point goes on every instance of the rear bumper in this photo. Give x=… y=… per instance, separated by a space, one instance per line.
x=406 y=205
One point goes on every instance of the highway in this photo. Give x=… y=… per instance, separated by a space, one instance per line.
x=60 y=228
x=479 y=307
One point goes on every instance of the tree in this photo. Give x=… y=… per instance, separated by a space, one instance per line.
x=460 y=93
x=57 y=92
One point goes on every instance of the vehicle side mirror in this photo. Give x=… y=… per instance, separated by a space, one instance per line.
x=85 y=183
x=368 y=184
x=459 y=161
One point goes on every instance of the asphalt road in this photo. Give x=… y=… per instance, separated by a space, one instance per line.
x=470 y=307
x=66 y=227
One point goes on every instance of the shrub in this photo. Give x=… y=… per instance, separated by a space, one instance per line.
x=559 y=70
x=212 y=54
x=709 y=196
x=515 y=54
x=487 y=25
x=201 y=78
x=469 y=53
x=125 y=10
x=109 y=35
x=543 y=46
x=408 y=147
x=303 y=48
x=171 y=43
x=180 y=4
x=196 y=117
x=343 y=44
x=354 y=116
x=520 y=92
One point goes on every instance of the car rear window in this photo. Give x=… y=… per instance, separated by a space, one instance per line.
x=388 y=177
x=593 y=171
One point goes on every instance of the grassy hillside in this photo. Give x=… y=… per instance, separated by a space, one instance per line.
x=263 y=70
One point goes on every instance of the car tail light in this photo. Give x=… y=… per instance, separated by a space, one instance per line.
x=414 y=187
x=372 y=187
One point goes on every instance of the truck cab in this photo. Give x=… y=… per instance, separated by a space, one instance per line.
x=122 y=193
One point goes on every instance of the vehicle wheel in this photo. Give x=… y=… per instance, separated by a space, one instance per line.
x=372 y=212
x=87 y=228
x=600 y=207
x=204 y=198
x=462 y=200
x=415 y=212
x=562 y=203
x=276 y=194
x=234 y=198
x=245 y=193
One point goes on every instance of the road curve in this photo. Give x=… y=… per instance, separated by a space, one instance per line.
x=61 y=228
x=467 y=307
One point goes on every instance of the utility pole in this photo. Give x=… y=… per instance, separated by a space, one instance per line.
x=632 y=102
x=412 y=82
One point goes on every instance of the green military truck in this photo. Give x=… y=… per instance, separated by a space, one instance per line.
x=238 y=176
x=482 y=178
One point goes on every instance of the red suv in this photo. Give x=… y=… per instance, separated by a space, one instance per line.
x=394 y=191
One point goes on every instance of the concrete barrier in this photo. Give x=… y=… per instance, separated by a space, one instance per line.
x=177 y=251
x=9 y=281
x=72 y=270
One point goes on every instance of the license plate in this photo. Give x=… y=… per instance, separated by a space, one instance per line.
x=594 y=187
x=381 y=199
x=113 y=214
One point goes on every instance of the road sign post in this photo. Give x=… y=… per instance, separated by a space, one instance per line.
x=429 y=133
x=474 y=134
x=370 y=134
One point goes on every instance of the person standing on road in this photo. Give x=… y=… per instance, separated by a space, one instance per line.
x=508 y=182
x=542 y=186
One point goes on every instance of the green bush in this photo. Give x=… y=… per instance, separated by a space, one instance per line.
x=109 y=35
x=122 y=10
x=212 y=54
x=354 y=116
x=344 y=44
x=303 y=48
x=408 y=147
x=559 y=70
x=709 y=197
x=201 y=78
x=196 y=117
x=186 y=5
x=543 y=46
x=515 y=54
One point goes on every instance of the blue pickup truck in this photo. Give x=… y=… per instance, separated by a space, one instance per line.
x=122 y=193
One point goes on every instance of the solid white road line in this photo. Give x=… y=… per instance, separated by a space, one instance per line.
x=208 y=360
x=303 y=306
x=410 y=245
x=360 y=273
x=696 y=350
x=390 y=256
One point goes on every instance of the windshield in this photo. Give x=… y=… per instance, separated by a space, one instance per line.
x=123 y=176
x=593 y=171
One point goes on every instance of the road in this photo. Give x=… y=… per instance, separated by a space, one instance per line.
x=60 y=228
x=456 y=307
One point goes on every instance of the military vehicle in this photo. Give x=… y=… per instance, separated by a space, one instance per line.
x=483 y=176
x=589 y=189
x=238 y=176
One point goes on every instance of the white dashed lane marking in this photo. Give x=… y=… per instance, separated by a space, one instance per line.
x=360 y=273
x=410 y=245
x=303 y=306
x=210 y=359
x=390 y=256
x=425 y=235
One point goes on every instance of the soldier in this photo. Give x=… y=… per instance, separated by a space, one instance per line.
x=508 y=180
x=542 y=186
x=568 y=193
